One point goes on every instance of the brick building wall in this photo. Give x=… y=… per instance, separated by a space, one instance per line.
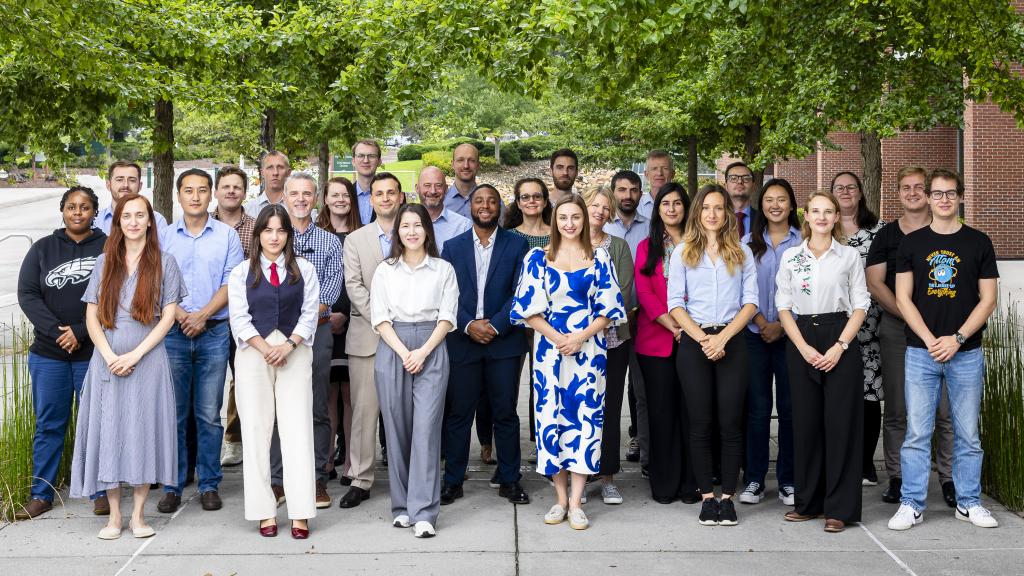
x=994 y=177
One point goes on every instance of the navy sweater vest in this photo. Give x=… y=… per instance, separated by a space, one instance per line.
x=274 y=308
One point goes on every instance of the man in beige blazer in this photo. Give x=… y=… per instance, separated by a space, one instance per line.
x=364 y=250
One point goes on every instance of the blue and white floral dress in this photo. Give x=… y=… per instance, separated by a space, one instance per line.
x=569 y=390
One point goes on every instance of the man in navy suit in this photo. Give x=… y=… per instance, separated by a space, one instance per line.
x=485 y=349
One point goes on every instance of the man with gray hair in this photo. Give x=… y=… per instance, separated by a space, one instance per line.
x=323 y=250
x=274 y=170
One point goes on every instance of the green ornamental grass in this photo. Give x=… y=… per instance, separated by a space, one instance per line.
x=1002 y=409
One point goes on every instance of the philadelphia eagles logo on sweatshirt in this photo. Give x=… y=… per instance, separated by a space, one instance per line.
x=74 y=272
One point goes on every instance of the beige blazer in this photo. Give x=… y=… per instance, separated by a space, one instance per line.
x=362 y=256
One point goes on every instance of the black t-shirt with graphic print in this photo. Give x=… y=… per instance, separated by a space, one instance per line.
x=947 y=268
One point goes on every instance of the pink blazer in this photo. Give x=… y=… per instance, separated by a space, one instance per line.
x=652 y=339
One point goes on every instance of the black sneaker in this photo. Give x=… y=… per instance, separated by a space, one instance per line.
x=949 y=493
x=691 y=497
x=644 y=473
x=727 y=513
x=894 y=492
x=709 y=513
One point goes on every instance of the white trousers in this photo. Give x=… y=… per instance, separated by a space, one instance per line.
x=263 y=393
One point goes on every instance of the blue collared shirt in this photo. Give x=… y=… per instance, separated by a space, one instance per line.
x=385 y=241
x=708 y=293
x=323 y=250
x=634 y=234
x=646 y=206
x=767 y=269
x=449 y=225
x=455 y=202
x=365 y=208
x=205 y=260
x=105 y=218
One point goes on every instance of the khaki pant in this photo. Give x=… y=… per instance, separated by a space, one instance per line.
x=365 y=409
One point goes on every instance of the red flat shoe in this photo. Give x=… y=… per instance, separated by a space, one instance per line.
x=268 y=531
x=300 y=533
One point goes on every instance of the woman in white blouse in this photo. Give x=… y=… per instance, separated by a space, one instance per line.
x=273 y=300
x=412 y=307
x=822 y=299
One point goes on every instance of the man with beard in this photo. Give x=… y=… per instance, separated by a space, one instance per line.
x=739 y=181
x=465 y=165
x=628 y=223
x=123 y=177
x=658 y=171
x=486 y=350
x=274 y=170
x=564 y=169
x=447 y=224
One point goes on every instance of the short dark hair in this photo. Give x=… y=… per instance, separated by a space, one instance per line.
x=566 y=153
x=193 y=172
x=486 y=187
x=866 y=219
x=84 y=190
x=123 y=164
x=737 y=164
x=629 y=175
x=385 y=176
x=949 y=175
x=233 y=171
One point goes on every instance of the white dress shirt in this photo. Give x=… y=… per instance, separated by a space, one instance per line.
x=427 y=293
x=833 y=283
x=238 y=300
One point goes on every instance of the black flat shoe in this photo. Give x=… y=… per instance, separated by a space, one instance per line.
x=894 y=492
x=354 y=497
x=949 y=493
x=450 y=493
x=514 y=492
x=692 y=497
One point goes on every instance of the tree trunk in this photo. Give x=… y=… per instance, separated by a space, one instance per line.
x=324 y=164
x=268 y=130
x=163 y=158
x=751 y=148
x=691 y=166
x=497 y=150
x=871 y=154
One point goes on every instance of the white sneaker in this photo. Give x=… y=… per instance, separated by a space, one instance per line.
x=752 y=494
x=231 y=455
x=578 y=519
x=556 y=515
x=423 y=529
x=977 y=515
x=787 y=495
x=610 y=494
x=905 y=518
x=401 y=521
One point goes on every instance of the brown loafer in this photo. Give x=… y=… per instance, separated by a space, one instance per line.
x=278 y=493
x=101 y=506
x=169 y=503
x=487 y=454
x=794 y=516
x=211 y=500
x=33 y=508
x=834 y=526
x=323 y=499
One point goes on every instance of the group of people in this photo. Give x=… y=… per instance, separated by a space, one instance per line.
x=342 y=308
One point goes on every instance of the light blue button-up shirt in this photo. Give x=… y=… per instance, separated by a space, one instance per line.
x=205 y=260
x=455 y=202
x=646 y=205
x=708 y=293
x=365 y=208
x=105 y=218
x=449 y=225
x=634 y=234
x=385 y=241
x=767 y=269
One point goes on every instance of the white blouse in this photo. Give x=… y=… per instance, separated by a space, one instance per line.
x=833 y=283
x=238 y=300
x=427 y=293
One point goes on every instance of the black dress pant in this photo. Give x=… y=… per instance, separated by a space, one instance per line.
x=615 y=386
x=715 y=388
x=669 y=465
x=828 y=423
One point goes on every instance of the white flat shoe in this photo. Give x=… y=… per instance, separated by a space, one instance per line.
x=143 y=531
x=578 y=519
x=109 y=533
x=556 y=515
x=423 y=529
x=401 y=521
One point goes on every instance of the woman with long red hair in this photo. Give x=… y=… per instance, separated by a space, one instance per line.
x=127 y=425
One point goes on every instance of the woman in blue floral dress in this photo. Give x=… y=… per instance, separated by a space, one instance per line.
x=569 y=295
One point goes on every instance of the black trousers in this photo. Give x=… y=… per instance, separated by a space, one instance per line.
x=872 y=429
x=714 y=388
x=615 y=387
x=670 y=466
x=828 y=423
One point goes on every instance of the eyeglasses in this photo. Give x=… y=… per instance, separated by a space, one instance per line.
x=531 y=197
x=839 y=188
x=939 y=194
x=736 y=179
x=364 y=157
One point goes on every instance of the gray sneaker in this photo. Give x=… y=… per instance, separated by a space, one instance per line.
x=610 y=494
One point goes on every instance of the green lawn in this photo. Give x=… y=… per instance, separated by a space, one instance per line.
x=406 y=172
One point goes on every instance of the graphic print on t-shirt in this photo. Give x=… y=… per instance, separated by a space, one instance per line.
x=74 y=272
x=942 y=276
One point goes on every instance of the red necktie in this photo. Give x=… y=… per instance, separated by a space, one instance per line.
x=275 y=281
x=740 y=216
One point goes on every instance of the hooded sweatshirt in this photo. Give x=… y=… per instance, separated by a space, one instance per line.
x=53 y=279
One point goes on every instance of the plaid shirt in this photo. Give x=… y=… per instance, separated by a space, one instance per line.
x=323 y=250
x=244 y=229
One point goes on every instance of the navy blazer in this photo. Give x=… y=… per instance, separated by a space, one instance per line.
x=506 y=264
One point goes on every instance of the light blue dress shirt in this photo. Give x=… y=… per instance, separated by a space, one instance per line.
x=205 y=260
x=708 y=293
x=449 y=225
x=365 y=208
x=767 y=268
x=634 y=234
x=385 y=241
x=646 y=206
x=455 y=202
x=105 y=218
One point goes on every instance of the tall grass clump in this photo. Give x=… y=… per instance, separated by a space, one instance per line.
x=18 y=422
x=1002 y=409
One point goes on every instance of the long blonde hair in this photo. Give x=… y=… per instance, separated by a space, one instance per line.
x=695 y=238
x=837 y=229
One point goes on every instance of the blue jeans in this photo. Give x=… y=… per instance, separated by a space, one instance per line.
x=55 y=385
x=199 y=367
x=964 y=376
x=766 y=361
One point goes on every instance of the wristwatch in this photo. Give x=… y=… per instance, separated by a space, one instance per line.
x=292 y=343
x=842 y=344
x=960 y=338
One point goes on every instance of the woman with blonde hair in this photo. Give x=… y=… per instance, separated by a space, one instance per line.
x=712 y=295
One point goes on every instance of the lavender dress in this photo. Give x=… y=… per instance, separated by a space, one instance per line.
x=127 y=425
